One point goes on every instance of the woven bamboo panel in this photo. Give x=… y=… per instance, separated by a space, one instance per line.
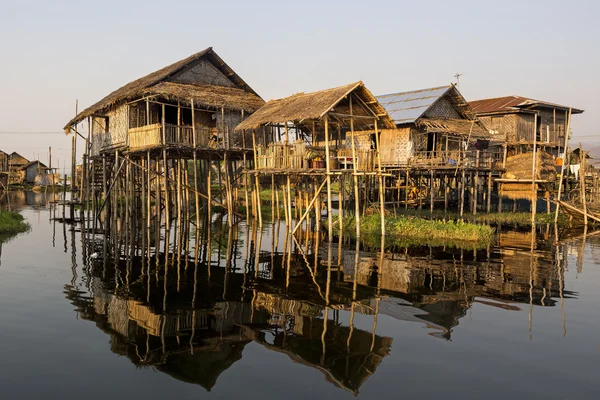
x=442 y=108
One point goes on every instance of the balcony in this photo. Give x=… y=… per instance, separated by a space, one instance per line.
x=173 y=135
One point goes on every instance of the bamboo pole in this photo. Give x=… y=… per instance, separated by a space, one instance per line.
x=354 y=172
x=196 y=196
x=582 y=167
x=380 y=177
x=328 y=171
x=533 y=169
x=562 y=168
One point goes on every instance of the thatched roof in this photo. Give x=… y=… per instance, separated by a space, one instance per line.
x=147 y=84
x=311 y=106
x=454 y=126
x=206 y=95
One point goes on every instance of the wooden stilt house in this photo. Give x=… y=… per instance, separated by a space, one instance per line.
x=292 y=133
x=433 y=127
x=515 y=120
x=192 y=104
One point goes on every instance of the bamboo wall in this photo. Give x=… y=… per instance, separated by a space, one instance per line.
x=442 y=108
x=204 y=73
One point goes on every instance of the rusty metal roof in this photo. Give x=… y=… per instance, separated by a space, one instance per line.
x=513 y=104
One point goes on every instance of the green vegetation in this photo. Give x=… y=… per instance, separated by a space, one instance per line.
x=11 y=223
x=406 y=231
x=505 y=218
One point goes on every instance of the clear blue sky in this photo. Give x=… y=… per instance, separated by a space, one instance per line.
x=55 y=52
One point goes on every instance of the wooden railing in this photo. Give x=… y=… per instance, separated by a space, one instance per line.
x=152 y=135
x=144 y=136
x=300 y=156
x=456 y=158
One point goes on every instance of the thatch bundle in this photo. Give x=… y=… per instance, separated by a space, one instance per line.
x=520 y=167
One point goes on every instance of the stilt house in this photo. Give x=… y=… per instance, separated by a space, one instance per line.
x=293 y=132
x=433 y=127
x=515 y=120
x=193 y=104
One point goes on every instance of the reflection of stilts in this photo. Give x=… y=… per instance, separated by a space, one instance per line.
x=531 y=267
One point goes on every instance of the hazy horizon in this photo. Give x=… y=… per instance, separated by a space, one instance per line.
x=58 y=52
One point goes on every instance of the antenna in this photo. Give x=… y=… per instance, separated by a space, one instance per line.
x=457 y=76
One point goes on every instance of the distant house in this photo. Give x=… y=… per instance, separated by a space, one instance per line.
x=3 y=161
x=517 y=119
x=32 y=170
x=16 y=161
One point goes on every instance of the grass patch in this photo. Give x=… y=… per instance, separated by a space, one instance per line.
x=505 y=218
x=11 y=223
x=408 y=231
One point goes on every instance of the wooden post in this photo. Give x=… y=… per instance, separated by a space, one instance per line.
x=354 y=172
x=533 y=170
x=380 y=176
x=582 y=167
x=462 y=192
x=431 y=191
x=328 y=171
x=406 y=191
x=562 y=168
x=256 y=180
x=195 y=161
x=489 y=192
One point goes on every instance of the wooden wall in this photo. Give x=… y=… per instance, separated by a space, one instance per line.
x=396 y=145
x=519 y=127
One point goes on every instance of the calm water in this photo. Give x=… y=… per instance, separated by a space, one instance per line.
x=492 y=323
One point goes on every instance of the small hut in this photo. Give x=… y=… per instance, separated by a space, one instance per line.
x=35 y=172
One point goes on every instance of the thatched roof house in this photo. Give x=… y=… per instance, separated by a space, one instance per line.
x=513 y=119
x=305 y=117
x=156 y=110
x=303 y=107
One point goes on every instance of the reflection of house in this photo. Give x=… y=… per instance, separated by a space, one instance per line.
x=514 y=120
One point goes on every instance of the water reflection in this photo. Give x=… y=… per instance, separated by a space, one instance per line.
x=192 y=320
x=190 y=308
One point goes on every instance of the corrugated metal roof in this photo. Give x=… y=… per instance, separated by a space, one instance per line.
x=407 y=107
x=513 y=103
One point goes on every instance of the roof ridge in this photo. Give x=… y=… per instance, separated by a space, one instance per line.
x=415 y=91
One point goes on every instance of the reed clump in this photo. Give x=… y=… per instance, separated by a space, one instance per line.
x=12 y=223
